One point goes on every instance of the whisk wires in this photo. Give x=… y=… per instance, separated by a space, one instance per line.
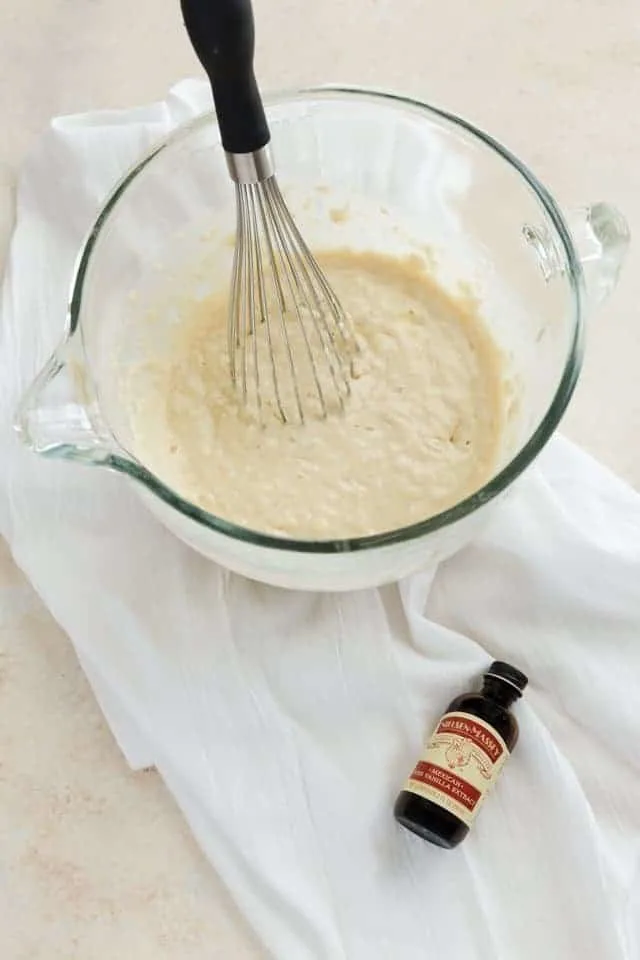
x=290 y=342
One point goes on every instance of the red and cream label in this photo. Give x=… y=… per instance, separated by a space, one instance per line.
x=461 y=762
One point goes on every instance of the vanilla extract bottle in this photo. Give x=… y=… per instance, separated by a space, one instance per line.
x=462 y=760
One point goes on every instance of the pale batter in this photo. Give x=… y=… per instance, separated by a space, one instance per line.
x=422 y=428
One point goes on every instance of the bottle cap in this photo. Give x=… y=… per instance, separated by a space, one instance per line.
x=510 y=675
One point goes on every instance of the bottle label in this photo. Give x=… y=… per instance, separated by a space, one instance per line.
x=461 y=762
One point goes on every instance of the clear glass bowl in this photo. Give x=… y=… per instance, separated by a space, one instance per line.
x=414 y=179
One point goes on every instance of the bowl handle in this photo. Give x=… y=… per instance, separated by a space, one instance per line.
x=601 y=238
x=57 y=417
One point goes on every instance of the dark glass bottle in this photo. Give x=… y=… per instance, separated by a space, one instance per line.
x=462 y=760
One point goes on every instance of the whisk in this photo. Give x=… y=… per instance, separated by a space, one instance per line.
x=290 y=342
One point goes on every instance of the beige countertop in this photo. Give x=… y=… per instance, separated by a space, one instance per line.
x=95 y=862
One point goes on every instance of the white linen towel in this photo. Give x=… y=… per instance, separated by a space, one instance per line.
x=284 y=724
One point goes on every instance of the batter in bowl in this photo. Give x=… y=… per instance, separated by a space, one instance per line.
x=421 y=430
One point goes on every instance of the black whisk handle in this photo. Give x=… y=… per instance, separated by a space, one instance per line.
x=223 y=37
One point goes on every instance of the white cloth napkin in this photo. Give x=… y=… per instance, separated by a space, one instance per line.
x=284 y=724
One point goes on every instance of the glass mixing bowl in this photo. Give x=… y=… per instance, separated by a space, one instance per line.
x=361 y=169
